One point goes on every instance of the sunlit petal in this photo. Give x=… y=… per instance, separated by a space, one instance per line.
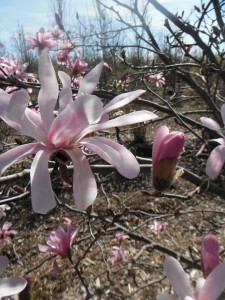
x=84 y=184
x=42 y=195
x=215 y=161
x=90 y=81
x=49 y=89
x=178 y=278
x=11 y=286
x=65 y=96
x=115 y=154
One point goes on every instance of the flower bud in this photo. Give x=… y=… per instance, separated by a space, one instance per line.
x=167 y=147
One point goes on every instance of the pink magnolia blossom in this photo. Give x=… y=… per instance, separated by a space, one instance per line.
x=121 y=236
x=157 y=227
x=63 y=56
x=119 y=255
x=43 y=40
x=60 y=242
x=78 y=67
x=167 y=147
x=216 y=158
x=158 y=78
x=6 y=234
x=209 y=254
x=70 y=132
x=56 y=33
x=209 y=289
x=12 y=285
x=14 y=67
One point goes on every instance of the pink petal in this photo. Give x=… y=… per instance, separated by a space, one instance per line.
x=164 y=296
x=4 y=104
x=49 y=89
x=178 y=278
x=215 y=161
x=209 y=253
x=90 y=81
x=42 y=195
x=170 y=147
x=74 y=118
x=128 y=119
x=223 y=113
x=44 y=248
x=11 y=286
x=17 y=154
x=160 y=133
x=65 y=96
x=115 y=154
x=17 y=105
x=210 y=123
x=214 y=284
x=55 y=267
x=4 y=261
x=32 y=126
x=122 y=100
x=84 y=184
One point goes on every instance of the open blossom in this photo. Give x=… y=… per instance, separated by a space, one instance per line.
x=167 y=147
x=71 y=131
x=157 y=227
x=209 y=289
x=43 y=40
x=12 y=285
x=56 y=33
x=216 y=158
x=14 y=67
x=60 y=242
x=6 y=234
x=209 y=254
x=158 y=78
x=79 y=66
x=118 y=255
x=121 y=236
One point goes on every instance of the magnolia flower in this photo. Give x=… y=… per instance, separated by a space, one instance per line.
x=167 y=147
x=119 y=255
x=158 y=78
x=216 y=158
x=43 y=40
x=157 y=227
x=209 y=254
x=56 y=33
x=12 y=285
x=69 y=132
x=78 y=67
x=6 y=234
x=14 y=67
x=121 y=236
x=60 y=242
x=209 y=289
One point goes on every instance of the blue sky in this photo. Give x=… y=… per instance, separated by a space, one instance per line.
x=35 y=14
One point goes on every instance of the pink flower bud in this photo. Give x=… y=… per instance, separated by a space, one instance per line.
x=209 y=254
x=167 y=147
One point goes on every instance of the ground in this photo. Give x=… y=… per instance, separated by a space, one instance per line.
x=128 y=206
